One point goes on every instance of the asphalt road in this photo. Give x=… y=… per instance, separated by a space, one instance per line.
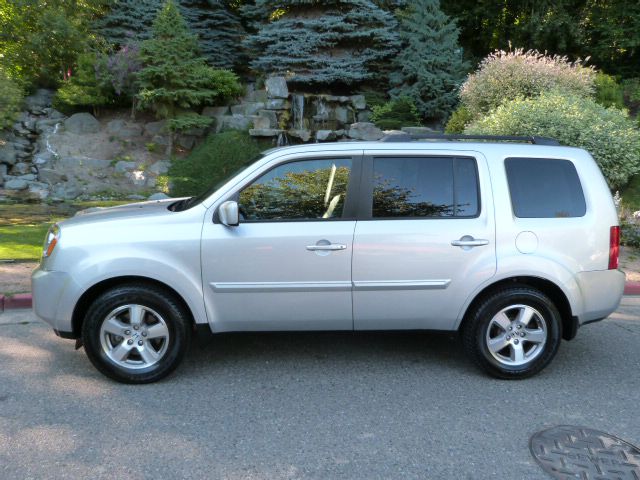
x=306 y=406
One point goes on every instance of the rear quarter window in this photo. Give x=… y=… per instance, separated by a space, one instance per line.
x=544 y=188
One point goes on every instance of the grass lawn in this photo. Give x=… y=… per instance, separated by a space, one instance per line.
x=24 y=226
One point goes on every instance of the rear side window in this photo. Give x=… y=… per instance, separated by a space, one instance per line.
x=544 y=188
x=425 y=187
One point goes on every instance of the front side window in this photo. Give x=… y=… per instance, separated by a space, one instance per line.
x=425 y=187
x=544 y=188
x=302 y=190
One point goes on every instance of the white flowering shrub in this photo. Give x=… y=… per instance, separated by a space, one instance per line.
x=504 y=76
x=607 y=133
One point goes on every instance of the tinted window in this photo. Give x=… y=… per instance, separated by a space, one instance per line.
x=544 y=188
x=309 y=189
x=425 y=187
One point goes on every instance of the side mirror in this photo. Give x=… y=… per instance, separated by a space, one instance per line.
x=228 y=214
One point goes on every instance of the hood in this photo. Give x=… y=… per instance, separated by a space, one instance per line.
x=122 y=212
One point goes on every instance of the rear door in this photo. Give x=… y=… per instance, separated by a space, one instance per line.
x=425 y=241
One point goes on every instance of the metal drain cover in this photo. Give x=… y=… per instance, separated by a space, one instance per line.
x=567 y=452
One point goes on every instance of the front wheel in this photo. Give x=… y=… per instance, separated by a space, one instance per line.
x=136 y=333
x=514 y=333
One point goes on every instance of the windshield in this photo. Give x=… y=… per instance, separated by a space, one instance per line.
x=192 y=201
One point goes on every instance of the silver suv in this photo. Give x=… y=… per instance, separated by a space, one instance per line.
x=512 y=245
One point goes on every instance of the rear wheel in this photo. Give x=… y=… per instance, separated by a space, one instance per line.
x=514 y=333
x=136 y=333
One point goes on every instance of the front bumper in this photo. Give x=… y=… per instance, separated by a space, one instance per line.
x=54 y=298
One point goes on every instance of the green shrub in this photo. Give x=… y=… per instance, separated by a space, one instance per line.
x=219 y=156
x=10 y=101
x=607 y=133
x=83 y=89
x=395 y=114
x=609 y=92
x=459 y=119
x=631 y=88
x=504 y=76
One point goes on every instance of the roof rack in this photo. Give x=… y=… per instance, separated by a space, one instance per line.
x=407 y=137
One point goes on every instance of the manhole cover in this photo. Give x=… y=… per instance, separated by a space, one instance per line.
x=566 y=452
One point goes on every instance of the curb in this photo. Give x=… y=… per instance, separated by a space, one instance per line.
x=24 y=300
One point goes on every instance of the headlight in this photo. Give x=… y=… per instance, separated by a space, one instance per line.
x=50 y=242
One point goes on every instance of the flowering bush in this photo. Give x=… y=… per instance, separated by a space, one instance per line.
x=504 y=76
x=607 y=133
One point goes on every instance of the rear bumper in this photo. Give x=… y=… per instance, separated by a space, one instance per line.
x=601 y=294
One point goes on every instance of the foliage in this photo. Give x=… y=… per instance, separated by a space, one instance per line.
x=122 y=68
x=175 y=78
x=504 y=76
x=41 y=40
x=216 y=25
x=429 y=68
x=396 y=114
x=607 y=133
x=187 y=121
x=609 y=92
x=83 y=88
x=218 y=157
x=335 y=42
x=10 y=101
x=459 y=119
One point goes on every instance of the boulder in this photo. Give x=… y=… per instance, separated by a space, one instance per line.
x=235 y=122
x=39 y=101
x=16 y=184
x=158 y=196
x=359 y=102
x=277 y=104
x=123 y=166
x=78 y=162
x=43 y=158
x=325 y=135
x=364 y=131
x=154 y=128
x=160 y=167
x=302 y=134
x=122 y=129
x=186 y=141
x=39 y=190
x=161 y=140
x=276 y=87
x=214 y=112
x=271 y=116
x=3 y=172
x=265 y=132
x=29 y=177
x=54 y=114
x=46 y=124
x=261 y=122
x=7 y=153
x=20 y=168
x=82 y=123
x=247 y=108
x=343 y=115
x=51 y=176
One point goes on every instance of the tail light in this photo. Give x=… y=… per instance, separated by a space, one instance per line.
x=614 y=247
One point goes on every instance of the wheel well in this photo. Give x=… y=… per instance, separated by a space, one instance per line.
x=87 y=297
x=550 y=289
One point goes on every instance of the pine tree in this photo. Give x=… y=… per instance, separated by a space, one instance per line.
x=175 y=78
x=429 y=69
x=333 y=42
x=218 y=28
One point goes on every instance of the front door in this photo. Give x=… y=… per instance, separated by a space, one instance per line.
x=426 y=239
x=287 y=265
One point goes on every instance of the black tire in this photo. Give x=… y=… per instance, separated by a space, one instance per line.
x=501 y=311
x=147 y=359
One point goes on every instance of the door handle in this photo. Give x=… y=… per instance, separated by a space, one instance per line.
x=468 y=241
x=331 y=247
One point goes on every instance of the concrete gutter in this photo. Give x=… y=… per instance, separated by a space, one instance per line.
x=24 y=300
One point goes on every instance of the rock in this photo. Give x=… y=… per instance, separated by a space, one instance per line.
x=122 y=129
x=364 y=131
x=277 y=104
x=20 y=168
x=418 y=130
x=343 y=115
x=325 y=135
x=135 y=197
x=195 y=132
x=16 y=184
x=359 y=102
x=82 y=123
x=51 y=176
x=43 y=158
x=7 y=153
x=271 y=116
x=154 y=128
x=3 y=172
x=247 y=108
x=265 y=132
x=39 y=101
x=158 y=196
x=123 y=166
x=161 y=140
x=54 y=114
x=214 y=112
x=78 y=162
x=186 y=141
x=364 y=116
x=235 y=122
x=138 y=178
x=304 y=135
x=260 y=123
x=276 y=87
x=46 y=124
x=160 y=167
x=29 y=177
x=39 y=190
x=67 y=192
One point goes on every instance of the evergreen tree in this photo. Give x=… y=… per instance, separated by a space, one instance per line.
x=429 y=69
x=343 y=42
x=175 y=77
x=218 y=28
